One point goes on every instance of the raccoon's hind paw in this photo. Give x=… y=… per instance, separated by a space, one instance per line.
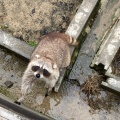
x=73 y=41
x=69 y=67
x=46 y=94
x=16 y=102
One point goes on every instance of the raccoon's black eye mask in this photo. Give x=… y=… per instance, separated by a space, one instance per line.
x=35 y=68
x=46 y=73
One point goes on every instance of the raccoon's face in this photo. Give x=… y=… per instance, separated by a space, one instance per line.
x=43 y=69
x=39 y=72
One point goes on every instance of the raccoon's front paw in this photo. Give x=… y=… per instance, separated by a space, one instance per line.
x=46 y=86
x=16 y=102
x=46 y=94
x=69 y=67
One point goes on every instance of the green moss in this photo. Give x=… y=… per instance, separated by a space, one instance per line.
x=4 y=91
x=32 y=43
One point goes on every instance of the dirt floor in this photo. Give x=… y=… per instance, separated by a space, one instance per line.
x=29 y=19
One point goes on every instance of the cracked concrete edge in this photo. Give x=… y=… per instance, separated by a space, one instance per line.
x=109 y=73
x=113 y=82
x=112 y=85
x=21 y=110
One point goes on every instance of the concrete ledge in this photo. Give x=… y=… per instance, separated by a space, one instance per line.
x=21 y=110
x=109 y=73
x=112 y=84
x=15 y=45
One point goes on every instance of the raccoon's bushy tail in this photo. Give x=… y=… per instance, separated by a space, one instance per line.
x=72 y=41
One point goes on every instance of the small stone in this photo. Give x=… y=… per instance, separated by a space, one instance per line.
x=7 y=58
x=94 y=34
x=11 y=75
x=33 y=11
x=8 y=84
x=104 y=24
x=5 y=26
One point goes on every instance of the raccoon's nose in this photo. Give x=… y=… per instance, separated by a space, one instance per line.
x=37 y=75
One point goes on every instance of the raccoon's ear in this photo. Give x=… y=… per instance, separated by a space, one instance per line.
x=54 y=65
x=37 y=56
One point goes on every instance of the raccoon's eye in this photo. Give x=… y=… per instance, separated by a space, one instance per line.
x=35 y=68
x=46 y=73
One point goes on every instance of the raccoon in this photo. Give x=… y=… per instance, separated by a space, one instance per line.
x=50 y=55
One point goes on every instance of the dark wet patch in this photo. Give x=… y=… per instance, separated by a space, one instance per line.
x=107 y=103
x=96 y=97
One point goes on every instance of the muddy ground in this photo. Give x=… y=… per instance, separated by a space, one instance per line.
x=29 y=19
